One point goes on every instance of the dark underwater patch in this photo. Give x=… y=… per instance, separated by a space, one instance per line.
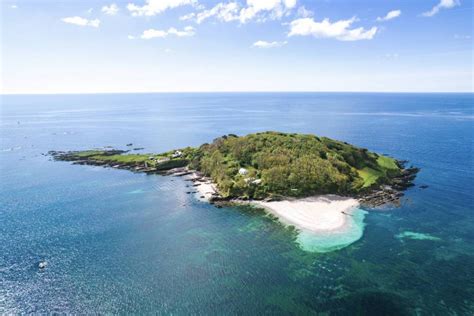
x=372 y=303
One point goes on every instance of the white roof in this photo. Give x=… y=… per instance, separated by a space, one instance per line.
x=243 y=171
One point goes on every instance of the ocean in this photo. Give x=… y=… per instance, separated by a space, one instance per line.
x=119 y=242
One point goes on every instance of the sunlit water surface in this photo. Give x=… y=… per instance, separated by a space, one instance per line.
x=118 y=242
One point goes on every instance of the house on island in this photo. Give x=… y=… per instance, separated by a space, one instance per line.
x=243 y=171
x=177 y=154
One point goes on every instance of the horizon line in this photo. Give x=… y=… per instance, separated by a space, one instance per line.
x=235 y=92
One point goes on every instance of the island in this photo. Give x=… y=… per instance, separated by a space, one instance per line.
x=313 y=183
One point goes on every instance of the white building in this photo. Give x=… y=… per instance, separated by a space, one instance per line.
x=243 y=171
x=177 y=154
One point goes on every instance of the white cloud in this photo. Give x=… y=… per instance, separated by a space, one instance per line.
x=233 y=11
x=390 y=15
x=289 y=3
x=187 y=17
x=443 y=4
x=276 y=9
x=187 y=31
x=111 y=9
x=265 y=44
x=77 y=20
x=131 y=37
x=152 y=33
x=13 y=6
x=154 y=7
x=339 y=30
x=304 y=13
x=225 y=12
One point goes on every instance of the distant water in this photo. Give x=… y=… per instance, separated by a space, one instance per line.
x=118 y=242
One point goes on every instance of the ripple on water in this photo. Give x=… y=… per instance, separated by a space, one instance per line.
x=332 y=241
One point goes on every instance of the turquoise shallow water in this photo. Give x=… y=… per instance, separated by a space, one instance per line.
x=331 y=241
x=118 y=242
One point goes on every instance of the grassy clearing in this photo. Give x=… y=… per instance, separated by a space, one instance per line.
x=386 y=166
x=387 y=163
x=125 y=159
x=140 y=159
x=89 y=153
x=370 y=176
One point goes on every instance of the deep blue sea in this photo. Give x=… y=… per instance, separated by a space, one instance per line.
x=119 y=242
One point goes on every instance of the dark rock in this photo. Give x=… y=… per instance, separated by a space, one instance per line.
x=392 y=192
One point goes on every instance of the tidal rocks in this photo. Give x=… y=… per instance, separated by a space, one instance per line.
x=390 y=194
x=134 y=163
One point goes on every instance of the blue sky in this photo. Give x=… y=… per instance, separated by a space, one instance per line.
x=88 y=46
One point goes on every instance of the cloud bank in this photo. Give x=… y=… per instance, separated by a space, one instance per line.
x=265 y=44
x=339 y=30
x=260 y=10
x=443 y=4
x=154 y=7
x=111 y=9
x=153 y=33
x=390 y=15
x=77 y=20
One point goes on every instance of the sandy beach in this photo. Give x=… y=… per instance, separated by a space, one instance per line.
x=204 y=186
x=323 y=213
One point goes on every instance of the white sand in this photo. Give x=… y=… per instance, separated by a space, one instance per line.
x=315 y=214
x=325 y=223
x=204 y=188
x=323 y=213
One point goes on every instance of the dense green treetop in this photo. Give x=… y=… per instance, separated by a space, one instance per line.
x=273 y=164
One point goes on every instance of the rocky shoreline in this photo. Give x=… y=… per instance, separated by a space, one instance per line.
x=134 y=167
x=375 y=197
x=390 y=193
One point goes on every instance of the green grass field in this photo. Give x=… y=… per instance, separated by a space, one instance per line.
x=89 y=153
x=126 y=159
x=370 y=176
x=387 y=163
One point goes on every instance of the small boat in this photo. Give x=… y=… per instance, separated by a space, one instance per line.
x=42 y=264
